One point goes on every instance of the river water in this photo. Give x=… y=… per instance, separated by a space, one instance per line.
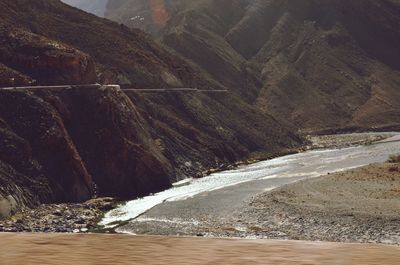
x=222 y=192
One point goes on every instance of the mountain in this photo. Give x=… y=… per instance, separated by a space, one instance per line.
x=68 y=143
x=321 y=65
x=97 y=7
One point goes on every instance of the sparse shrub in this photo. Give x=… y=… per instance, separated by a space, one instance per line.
x=394 y=158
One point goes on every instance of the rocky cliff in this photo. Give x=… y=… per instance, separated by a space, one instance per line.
x=65 y=144
x=320 y=65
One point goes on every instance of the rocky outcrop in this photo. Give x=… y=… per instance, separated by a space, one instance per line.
x=38 y=145
x=10 y=77
x=18 y=191
x=113 y=140
x=41 y=60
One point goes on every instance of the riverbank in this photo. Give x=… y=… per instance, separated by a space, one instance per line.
x=46 y=249
x=59 y=218
x=346 y=140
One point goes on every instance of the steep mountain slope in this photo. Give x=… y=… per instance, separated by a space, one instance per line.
x=123 y=144
x=330 y=64
x=68 y=144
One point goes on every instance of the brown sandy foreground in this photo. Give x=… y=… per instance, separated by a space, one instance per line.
x=43 y=249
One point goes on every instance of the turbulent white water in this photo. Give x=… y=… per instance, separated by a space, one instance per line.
x=303 y=165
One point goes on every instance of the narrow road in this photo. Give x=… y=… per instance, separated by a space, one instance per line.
x=88 y=86
x=49 y=249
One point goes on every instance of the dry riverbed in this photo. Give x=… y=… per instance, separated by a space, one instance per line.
x=360 y=205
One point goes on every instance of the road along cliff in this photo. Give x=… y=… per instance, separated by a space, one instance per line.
x=66 y=145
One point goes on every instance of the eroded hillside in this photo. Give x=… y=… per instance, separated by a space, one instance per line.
x=318 y=64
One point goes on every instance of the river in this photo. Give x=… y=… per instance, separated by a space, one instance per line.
x=218 y=195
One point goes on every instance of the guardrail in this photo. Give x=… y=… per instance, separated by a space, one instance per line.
x=164 y=90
